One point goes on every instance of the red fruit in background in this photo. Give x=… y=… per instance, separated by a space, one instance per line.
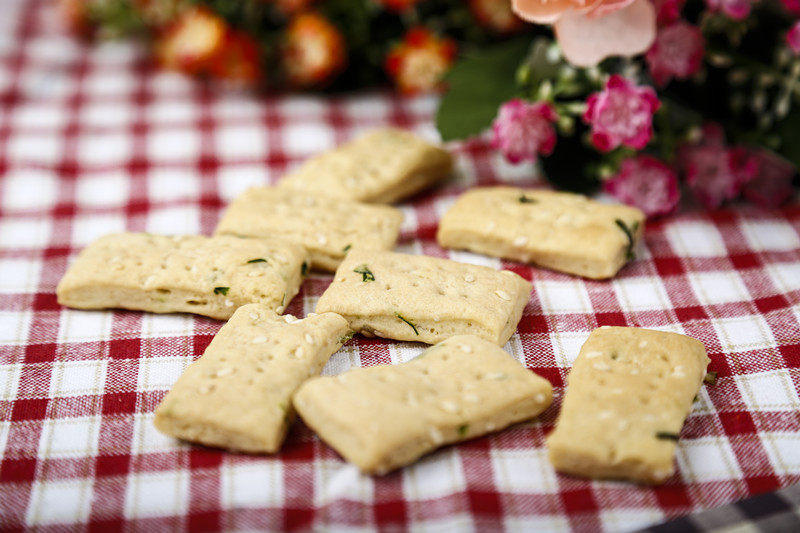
x=418 y=63
x=496 y=15
x=398 y=5
x=314 y=51
x=237 y=60
x=192 y=41
x=290 y=7
x=74 y=14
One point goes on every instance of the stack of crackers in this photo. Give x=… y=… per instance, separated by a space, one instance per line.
x=629 y=390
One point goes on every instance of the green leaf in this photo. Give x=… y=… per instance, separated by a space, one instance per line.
x=366 y=273
x=259 y=260
x=479 y=82
x=221 y=290
x=786 y=131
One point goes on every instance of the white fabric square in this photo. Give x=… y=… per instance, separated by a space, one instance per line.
x=24 y=232
x=69 y=437
x=39 y=115
x=113 y=53
x=238 y=106
x=695 y=239
x=707 y=459
x=525 y=524
x=785 y=276
x=301 y=105
x=19 y=275
x=641 y=294
x=172 y=111
x=170 y=184
x=240 y=141
x=58 y=49
x=462 y=256
x=180 y=220
x=768 y=391
x=89 y=228
x=77 y=378
x=5 y=429
x=424 y=105
x=434 y=476
x=157 y=494
x=307 y=138
x=156 y=325
x=168 y=84
x=744 y=333
x=44 y=83
x=456 y=523
x=234 y=180
x=109 y=82
x=147 y=439
x=174 y=144
x=784 y=451
x=252 y=484
x=630 y=519
x=9 y=382
x=563 y=296
x=42 y=147
x=14 y=326
x=59 y=502
x=523 y=471
x=770 y=235
x=106 y=115
x=718 y=287
x=103 y=190
x=160 y=373
x=106 y=148
x=512 y=173
x=336 y=481
x=29 y=189
x=370 y=107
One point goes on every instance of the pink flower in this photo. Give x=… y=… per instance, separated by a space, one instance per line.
x=647 y=183
x=793 y=38
x=735 y=9
x=668 y=11
x=773 y=182
x=792 y=6
x=588 y=32
x=621 y=114
x=715 y=172
x=677 y=53
x=522 y=130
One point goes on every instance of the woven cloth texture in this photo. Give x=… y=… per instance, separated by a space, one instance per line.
x=94 y=139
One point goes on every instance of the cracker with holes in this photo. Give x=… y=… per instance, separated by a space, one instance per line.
x=383 y=417
x=383 y=166
x=327 y=227
x=628 y=394
x=238 y=395
x=425 y=299
x=209 y=276
x=556 y=230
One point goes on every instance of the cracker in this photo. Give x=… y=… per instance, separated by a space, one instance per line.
x=326 y=226
x=383 y=166
x=425 y=299
x=629 y=391
x=209 y=276
x=384 y=417
x=561 y=231
x=238 y=395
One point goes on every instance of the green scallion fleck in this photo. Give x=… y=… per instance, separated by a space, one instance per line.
x=347 y=248
x=346 y=337
x=366 y=273
x=259 y=260
x=304 y=269
x=221 y=290
x=462 y=430
x=629 y=233
x=710 y=378
x=414 y=327
x=666 y=435
x=525 y=200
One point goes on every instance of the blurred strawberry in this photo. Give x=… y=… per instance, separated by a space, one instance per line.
x=314 y=51
x=237 y=60
x=496 y=15
x=74 y=15
x=192 y=41
x=418 y=63
x=398 y=6
x=291 y=7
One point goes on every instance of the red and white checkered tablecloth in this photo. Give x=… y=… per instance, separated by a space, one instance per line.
x=94 y=140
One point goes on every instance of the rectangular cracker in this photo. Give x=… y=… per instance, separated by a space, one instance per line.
x=384 y=417
x=629 y=391
x=326 y=226
x=382 y=166
x=425 y=299
x=209 y=276
x=561 y=231
x=238 y=395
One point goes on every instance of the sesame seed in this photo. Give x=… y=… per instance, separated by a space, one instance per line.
x=291 y=319
x=228 y=303
x=503 y=295
x=436 y=435
x=298 y=352
x=495 y=375
x=254 y=316
x=490 y=426
x=255 y=273
x=466 y=348
x=490 y=226
x=449 y=406
x=469 y=278
x=205 y=389
x=642 y=344
x=592 y=355
x=279 y=309
x=259 y=340
x=521 y=241
x=540 y=398
x=602 y=366
x=222 y=372
x=309 y=339
x=322 y=239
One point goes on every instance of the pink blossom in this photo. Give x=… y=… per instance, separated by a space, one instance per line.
x=668 y=11
x=735 y=9
x=522 y=130
x=716 y=173
x=621 y=114
x=773 y=182
x=793 y=38
x=588 y=32
x=677 y=53
x=647 y=183
x=792 y=6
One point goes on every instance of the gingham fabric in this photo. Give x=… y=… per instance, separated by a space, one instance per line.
x=94 y=140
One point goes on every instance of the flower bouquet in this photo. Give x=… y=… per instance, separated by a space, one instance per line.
x=643 y=98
